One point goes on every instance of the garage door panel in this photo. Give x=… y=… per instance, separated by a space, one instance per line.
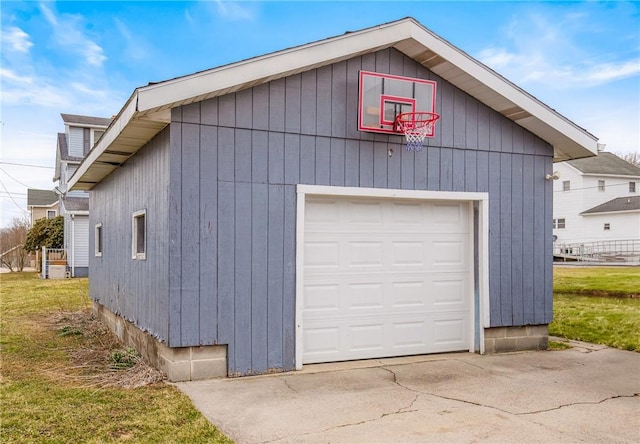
x=449 y=214
x=407 y=253
x=364 y=253
x=449 y=253
x=360 y=214
x=385 y=278
x=321 y=254
x=447 y=292
x=344 y=252
x=367 y=295
x=408 y=213
x=322 y=212
x=450 y=331
x=321 y=297
x=408 y=294
x=395 y=293
x=372 y=337
x=363 y=212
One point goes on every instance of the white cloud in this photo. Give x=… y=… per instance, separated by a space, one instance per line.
x=93 y=53
x=613 y=71
x=233 y=10
x=68 y=33
x=550 y=51
x=136 y=48
x=534 y=67
x=17 y=39
x=9 y=75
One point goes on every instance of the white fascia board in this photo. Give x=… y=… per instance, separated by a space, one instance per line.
x=610 y=212
x=86 y=125
x=113 y=131
x=273 y=65
x=77 y=212
x=614 y=176
x=505 y=88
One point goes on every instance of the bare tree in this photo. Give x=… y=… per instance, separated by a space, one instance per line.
x=12 y=254
x=633 y=158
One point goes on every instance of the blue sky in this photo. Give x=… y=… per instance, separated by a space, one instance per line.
x=580 y=58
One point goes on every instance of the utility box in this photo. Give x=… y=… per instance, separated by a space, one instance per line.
x=57 y=271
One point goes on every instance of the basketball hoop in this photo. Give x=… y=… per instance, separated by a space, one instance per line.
x=415 y=127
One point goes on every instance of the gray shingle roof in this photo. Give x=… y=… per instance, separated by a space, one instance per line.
x=41 y=197
x=85 y=120
x=617 y=204
x=76 y=203
x=605 y=163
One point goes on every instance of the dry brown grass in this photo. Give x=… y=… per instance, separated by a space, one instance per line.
x=91 y=363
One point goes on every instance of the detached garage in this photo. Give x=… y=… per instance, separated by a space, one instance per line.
x=375 y=194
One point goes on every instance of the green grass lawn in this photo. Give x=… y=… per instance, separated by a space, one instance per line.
x=597 y=305
x=610 y=321
x=48 y=395
x=607 y=281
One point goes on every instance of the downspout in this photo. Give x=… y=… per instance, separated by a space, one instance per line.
x=73 y=245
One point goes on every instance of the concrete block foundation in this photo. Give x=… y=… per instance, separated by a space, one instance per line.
x=178 y=363
x=511 y=339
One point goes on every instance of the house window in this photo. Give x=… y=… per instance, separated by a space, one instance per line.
x=51 y=214
x=607 y=227
x=601 y=185
x=632 y=187
x=566 y=185
x=96 y=134
x=558 y=223
x=98 y=240
x=138 y=235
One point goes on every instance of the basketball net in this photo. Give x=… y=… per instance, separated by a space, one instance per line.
x=416 y=127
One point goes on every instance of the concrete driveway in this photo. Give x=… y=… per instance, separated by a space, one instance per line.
x=585 y=394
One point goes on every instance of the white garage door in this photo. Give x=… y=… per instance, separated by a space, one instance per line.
x=385 y=278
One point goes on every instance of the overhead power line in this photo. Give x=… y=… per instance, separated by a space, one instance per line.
x=12 y=199
x=626 y=184
x=16 y=180
x=27 y=165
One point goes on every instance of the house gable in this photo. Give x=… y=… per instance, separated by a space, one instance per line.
x=148 y=109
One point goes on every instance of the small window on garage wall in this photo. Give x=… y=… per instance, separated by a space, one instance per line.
x=51 y=214
x=139 y=235
x=98 y=240
x=561 y=223
x=632 y=187
x=566 y=185
x=607 y=227
x=601 y=185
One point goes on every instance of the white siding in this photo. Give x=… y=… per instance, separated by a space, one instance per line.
x=79 y=241
x=569 y=204
x=621 y=226
x=71 y=168
x=583 y=195
x=76 y=147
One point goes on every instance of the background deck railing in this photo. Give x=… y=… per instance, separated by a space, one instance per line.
x=625 y=250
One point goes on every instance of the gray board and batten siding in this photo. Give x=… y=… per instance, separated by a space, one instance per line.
x=136 y=290
x=228 y=168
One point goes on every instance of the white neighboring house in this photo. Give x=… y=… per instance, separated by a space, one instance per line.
x=81 y=134
x=596 y=199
